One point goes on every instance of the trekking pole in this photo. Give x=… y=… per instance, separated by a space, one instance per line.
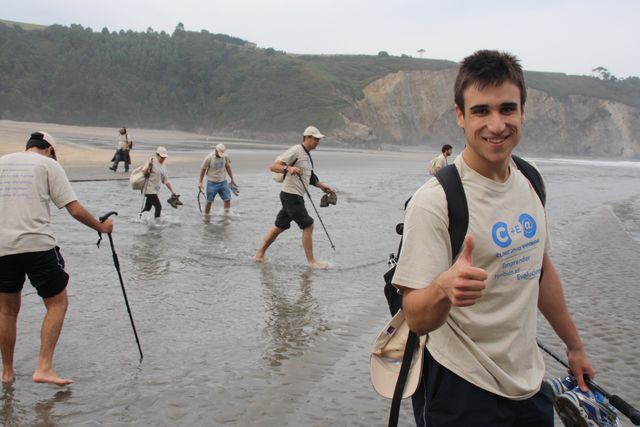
x=314 y=208
x=616 y=401
x=103 y=218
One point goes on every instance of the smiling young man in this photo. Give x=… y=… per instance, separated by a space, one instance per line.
x=482 y=366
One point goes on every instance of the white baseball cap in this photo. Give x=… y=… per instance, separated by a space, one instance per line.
x=313 y=131
x=46 y=137
x=221 y=149
x=386 y=358
x=162 y=152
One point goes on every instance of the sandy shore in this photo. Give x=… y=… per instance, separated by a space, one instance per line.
x=85 y=152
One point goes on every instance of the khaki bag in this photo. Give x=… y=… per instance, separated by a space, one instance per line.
x=137 y=178
x=432 y=166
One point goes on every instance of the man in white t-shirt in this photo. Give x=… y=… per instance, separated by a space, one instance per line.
x=29 y=181
x=482 y=365
x=297 y=165
x=122 y=150
x=216 y=166
x=440 y=161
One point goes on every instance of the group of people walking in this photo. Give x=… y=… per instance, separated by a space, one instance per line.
x=481 y=367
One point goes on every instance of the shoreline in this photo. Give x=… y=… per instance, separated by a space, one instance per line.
x=85 y=152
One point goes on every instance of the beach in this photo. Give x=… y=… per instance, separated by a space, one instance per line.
x=228 y=341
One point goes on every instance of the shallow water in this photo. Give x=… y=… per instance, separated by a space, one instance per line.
x=230 y=341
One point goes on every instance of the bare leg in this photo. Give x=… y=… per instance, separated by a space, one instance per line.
x=227 y=206
x=307 y=244
x=9 y=309
x=207 y=208
x=51 y=328
x=269 y=238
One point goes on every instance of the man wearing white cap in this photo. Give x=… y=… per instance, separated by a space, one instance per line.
x=216 y=166
x=28 y=181
x=157 y=175
x=297 y=166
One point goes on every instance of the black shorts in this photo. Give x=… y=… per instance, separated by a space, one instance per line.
x=443 y=399
x=45 y=271
x=292 y=210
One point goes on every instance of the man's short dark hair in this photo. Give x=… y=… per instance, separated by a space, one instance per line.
x=487 y=68
x=446 y=147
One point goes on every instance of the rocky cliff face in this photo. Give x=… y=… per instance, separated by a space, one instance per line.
x=416 y=107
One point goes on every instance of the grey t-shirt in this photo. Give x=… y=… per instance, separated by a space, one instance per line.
x=28 y=183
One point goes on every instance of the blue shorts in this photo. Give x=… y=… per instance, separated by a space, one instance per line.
x=45 y=270
x=221 y=188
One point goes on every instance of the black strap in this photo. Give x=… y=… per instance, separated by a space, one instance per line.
x=308 y=154
x=533 y=176
x=457 y=208
x=410 y=346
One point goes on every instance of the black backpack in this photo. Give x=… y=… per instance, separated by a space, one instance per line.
x=458 y=213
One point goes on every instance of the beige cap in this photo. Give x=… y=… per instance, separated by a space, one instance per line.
x=162 y=152
x=386 y=358
x=221 y=149
x=313 y=131
x=46 y=137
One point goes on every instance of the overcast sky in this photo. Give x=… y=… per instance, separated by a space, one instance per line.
x=569 y=36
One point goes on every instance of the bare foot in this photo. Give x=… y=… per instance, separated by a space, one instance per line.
x=258 y=258
x=50 y=377
x=319 y=265
x=8 y=376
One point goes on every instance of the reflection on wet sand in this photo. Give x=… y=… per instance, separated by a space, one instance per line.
x=13 y=413
x=293 y=318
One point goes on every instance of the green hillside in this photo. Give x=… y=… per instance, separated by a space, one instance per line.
x=202 y=81
x=22 y=25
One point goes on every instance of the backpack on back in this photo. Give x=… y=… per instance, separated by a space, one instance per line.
x=458 y=213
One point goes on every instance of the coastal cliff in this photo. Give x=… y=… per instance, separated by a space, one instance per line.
x=416 y=107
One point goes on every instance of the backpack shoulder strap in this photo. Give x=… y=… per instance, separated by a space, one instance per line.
x=533 y=176
x=457 y=208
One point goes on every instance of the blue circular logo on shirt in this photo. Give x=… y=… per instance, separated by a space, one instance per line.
x=500 y=234
x=528 y=225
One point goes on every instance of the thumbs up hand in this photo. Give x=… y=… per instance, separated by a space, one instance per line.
x=463 y=283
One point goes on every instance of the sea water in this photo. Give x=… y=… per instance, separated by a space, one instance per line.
x=228 y=341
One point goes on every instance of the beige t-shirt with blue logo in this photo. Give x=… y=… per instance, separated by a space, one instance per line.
x=491 y=344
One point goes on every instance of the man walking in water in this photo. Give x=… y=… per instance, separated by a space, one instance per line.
x=216 y=166
x=297 y=166
x=157 y=175
x=28 y=181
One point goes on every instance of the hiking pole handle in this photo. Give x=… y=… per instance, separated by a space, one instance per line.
x=106 y=216
x=103 y=218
